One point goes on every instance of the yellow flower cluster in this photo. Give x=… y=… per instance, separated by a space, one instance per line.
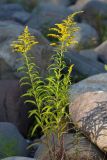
x=64 y=32
x=25 y=42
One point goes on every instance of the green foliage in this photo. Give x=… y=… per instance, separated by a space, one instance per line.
x=49 y=97
x=103 y=33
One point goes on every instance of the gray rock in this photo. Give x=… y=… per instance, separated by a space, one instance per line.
x=89 y=113
x=11 y=141
x=72 y=145
x=80 y=4
x=21 y=17
x=87 y=36
x=5 y=70
x=84 y=65
x=29 y=5
x=102 y=52
x=12 y=108
x=57 y=2
x=46 y=15
x=90 y=54
x=95 y=11
x=7 y=10
x=18 y=158
x=91 y=84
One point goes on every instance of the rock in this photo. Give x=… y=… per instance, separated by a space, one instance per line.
x=102 y=52
x=91 y=84
x=5 y=70
x=46 y=15
x=98 y=10
x=81 y=3
x=9 y=32
x=13 y=12
x=3 y=1
x=84 y=65
x=18 y=158
x=72 y=145
x=11 y=141
x=89 y=113
x=98 y=53
x=21 y=17
x=29 y=5
x=12 y=108
x=7 y=11
x=90 y=54
x=57 y=2
x=87 y=36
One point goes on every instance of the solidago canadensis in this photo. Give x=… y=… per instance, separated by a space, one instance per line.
x=50 y=97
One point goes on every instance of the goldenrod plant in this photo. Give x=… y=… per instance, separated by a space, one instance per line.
x=50 y=97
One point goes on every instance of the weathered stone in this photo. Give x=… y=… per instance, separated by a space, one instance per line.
x=72 y=145
x=29 y=5
x=18 y=158
x=11 y=141
x=87 y=36
x=57 y=2
x=95 y=11
x=46 y=15
x=90 y=54
x=21 y=17
x=91 y=84
x=84 y=65
x=5 y=70
x=89 y=113
x=102 y=52
x=12 y=108
x=7 y=11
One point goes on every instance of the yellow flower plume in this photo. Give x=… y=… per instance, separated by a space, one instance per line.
x=64 y=32
x=25 y=42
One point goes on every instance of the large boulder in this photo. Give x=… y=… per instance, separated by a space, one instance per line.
x=102 y=52
x=18 y=158
x=75 y=147
x=11 y=141
x=99 y=53
x=86 y=36
x=46 y=15
x=12 y=108
x=57 y=2
x=89 y=113
x=29 y=5
x=7 y=10
x=88 y=107
x=9 y=32
x=90 y=54
x=94 y=83
x=92 y=8
x=84 y=65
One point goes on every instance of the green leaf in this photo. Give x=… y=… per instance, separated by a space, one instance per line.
x=105 y=67
x=30 y=101
x=34 y=129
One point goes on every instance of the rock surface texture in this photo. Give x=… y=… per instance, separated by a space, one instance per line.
x=91 y=84
x=18 y=158
x=11 y=141
x=46 y=15
x=73 y=145
x=12 y=108
x=89 y=113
